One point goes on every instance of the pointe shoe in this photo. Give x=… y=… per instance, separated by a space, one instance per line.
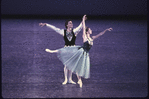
x=47 y=50
x=72 y=82
x=65 y=82
x=80 y=83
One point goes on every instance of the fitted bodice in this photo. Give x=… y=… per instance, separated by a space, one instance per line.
x=86 y=46
x=69 y=42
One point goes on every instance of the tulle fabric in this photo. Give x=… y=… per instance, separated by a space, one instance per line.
x=76 y=59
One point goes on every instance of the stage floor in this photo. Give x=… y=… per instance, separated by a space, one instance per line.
x=119 y=66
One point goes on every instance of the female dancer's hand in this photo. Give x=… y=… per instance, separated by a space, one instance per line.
x=84 y=17
x=42 y=24
x=109 y=29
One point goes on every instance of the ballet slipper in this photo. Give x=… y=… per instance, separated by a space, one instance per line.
x=65 y=82
x=51 y=51
x=47 y=50
x=72 y=82
x=80 y=83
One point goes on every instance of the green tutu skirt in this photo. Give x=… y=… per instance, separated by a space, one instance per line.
x=76 y=59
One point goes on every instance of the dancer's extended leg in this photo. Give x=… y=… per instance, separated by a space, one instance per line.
x=65 y=69
x=79 y=81
x=70 y=78
x=65 y=74
x=51 y=51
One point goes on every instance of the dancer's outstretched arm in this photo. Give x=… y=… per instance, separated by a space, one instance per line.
x=58 y=30
x=101 y=33
x=51 y=51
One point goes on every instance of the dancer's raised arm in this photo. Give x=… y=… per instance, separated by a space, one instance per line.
x=77 y=29
x=58 y=30
x=84 y=28
x=101 y=33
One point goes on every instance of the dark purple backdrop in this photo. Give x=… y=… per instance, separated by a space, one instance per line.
x=74 y=7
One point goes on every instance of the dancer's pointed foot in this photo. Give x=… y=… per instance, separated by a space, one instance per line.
x=48 y=50
x=51 y=51
x=65 y=82
x=72 y=82
x=80 y=83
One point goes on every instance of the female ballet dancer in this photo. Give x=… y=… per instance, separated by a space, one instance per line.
x=69 y=37
x=76 y=58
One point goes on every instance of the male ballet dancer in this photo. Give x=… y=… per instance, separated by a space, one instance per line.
x=69 y=35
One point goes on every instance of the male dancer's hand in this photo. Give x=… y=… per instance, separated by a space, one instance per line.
x=42 y=24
